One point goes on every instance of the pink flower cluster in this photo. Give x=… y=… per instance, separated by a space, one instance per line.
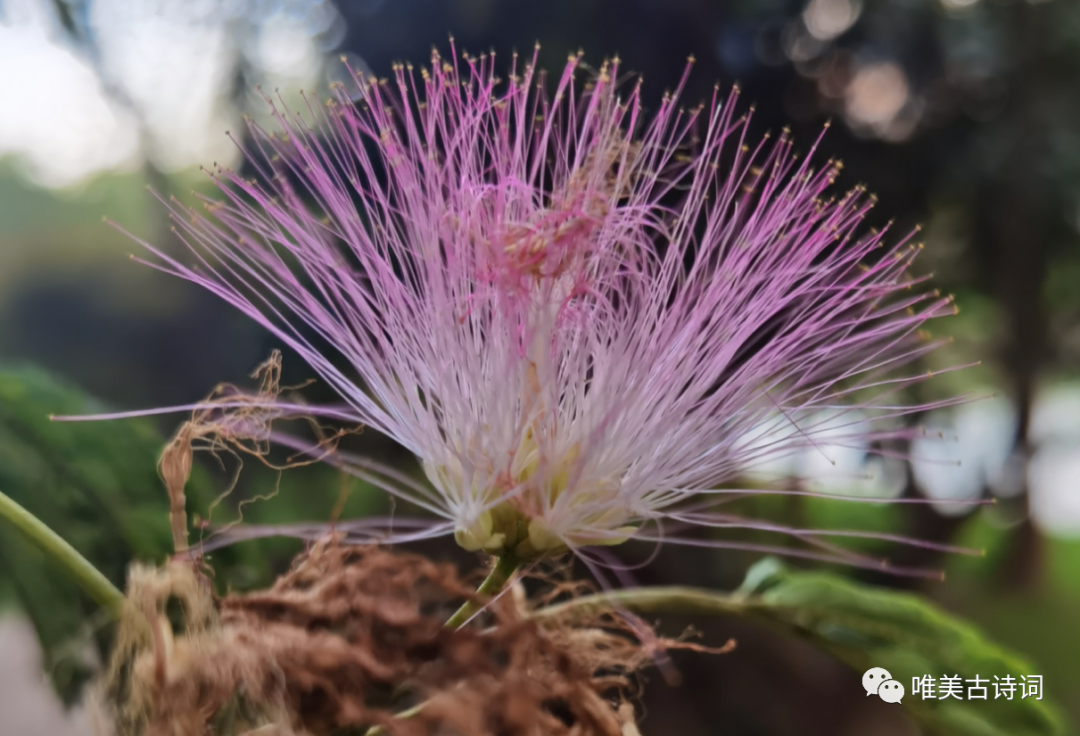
x=583 y=320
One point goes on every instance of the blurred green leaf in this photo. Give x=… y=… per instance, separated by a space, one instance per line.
x=864 y=627
x=910 y=637
x=96 y=485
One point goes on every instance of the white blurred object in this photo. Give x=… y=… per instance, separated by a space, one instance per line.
x=842 y=464
x=827 y=19
x=156 y=78
x=971 y=448
x=958 y=4
x=174 y=61
x=757 y=443
x=1055 y=415
x=963 y=452
x=840 y=461
x=1053 y=475
x=54 y=114
x=1054 y=488
x=28 y=706
x=876 y=94
x=286 y=49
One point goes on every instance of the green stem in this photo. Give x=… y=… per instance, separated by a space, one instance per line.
x=88 y=577
x=407 y=713
x=496 y=580
x=671 y=599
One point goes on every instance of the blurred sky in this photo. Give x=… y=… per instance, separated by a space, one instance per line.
x=163 y=69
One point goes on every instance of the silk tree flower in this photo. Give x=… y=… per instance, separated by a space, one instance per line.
x=584 y=320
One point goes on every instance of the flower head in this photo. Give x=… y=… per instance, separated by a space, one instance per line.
x=580 y=320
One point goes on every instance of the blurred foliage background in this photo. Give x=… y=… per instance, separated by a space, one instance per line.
x=963 y=116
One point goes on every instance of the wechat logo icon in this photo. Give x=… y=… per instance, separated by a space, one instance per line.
x=878 y=681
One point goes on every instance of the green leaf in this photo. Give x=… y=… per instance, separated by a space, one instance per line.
x=96 y=485
x=910 y=637
x=864 y=627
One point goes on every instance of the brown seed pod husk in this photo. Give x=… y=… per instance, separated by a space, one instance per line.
x=347 y=640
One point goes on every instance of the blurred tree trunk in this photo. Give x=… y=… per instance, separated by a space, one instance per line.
x=1016 y=221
